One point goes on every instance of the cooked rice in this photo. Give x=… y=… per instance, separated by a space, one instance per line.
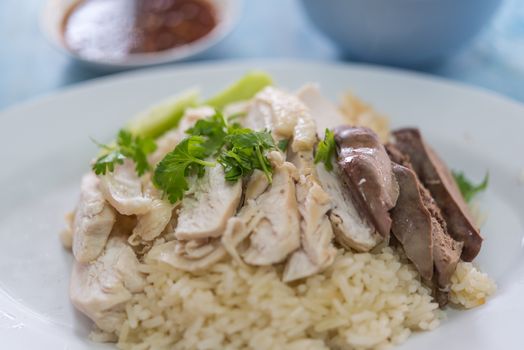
x=363 y=301
x=360 y=113
x=469 y=286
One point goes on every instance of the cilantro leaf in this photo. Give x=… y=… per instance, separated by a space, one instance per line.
x=127 y=146
x=186 y=159
x=282 y=144
x=244 y=152
x=326 y=150
x=107 y=162
x=214 y=129
x=467 y=188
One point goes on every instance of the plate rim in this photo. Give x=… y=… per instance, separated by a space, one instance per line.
x=251 y=64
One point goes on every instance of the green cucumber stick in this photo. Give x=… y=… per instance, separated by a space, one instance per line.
x=243 y=89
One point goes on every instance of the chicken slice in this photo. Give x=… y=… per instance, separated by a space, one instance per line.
x=208 y=204
x=93 y=221
x=305 y=133
x=327 y=114
x=101 y=288
x=151 y=224
x=256 y=185
x=270 y=222
x=123 y=190
x=350 y=229
x=275 y=110
x=317 y=251
x=170 y=140
x=194 y=255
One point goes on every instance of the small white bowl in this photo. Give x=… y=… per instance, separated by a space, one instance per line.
x=53 y=13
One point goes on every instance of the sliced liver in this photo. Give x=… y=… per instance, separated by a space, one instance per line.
x=366 y=170
x=437 y=178
x=419 y=227
x=412 y=222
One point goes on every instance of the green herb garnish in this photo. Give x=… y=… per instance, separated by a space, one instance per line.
x=129 y=146
x=282 y=144
x=245 y=150
x=326 y=150
x=188 y=158
x=467 y=188
x=214 y=128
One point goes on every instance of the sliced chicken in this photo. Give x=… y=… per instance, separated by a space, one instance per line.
x=169 y=231
x=351 y=230
x=208 y=204
x=325 y=112
x=437 y=178
x=275 y=110
x=123 y=190
x=256 y=185
x=316 y=252
x=366 y=170
x=151 y=224
x=305 y=133
x=93 y=221
x=170 y=140
x=194 y=255
x=277 y=232
x=101 y=288
x=269 y=224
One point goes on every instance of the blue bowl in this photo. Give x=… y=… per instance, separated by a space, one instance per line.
x=404 y=33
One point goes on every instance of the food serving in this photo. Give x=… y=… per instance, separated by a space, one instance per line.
x=243 y=221
x=115 y=29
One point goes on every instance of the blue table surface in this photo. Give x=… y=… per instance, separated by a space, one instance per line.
x=29 y=66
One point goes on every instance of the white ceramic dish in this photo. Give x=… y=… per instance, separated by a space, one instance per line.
x=46 y=149
x=228 y=12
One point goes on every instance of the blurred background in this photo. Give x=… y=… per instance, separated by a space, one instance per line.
x=30 y=65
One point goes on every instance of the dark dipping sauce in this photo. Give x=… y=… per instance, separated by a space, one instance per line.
x=114 y=29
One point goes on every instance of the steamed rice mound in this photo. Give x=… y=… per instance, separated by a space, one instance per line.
x=362 y=301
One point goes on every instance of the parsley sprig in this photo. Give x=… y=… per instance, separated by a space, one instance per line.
x=188 y=158
x=326 y=150
x=467 y=188
x=129 y=146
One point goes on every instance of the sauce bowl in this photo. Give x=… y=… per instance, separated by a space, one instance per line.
x=405 y=33
x=54 y=11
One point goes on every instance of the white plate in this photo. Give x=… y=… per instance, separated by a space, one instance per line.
x=45 y=149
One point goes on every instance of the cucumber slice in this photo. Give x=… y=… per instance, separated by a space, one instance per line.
x=243 y=89
x=163 y=116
